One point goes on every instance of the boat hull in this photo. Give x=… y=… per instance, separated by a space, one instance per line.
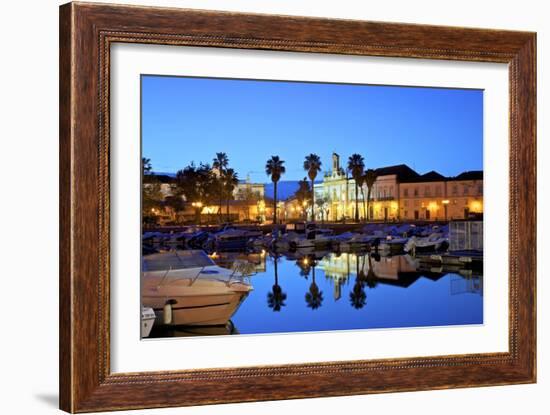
x=205 y=310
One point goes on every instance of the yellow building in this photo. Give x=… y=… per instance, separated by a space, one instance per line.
x=338 y=190
x=400 y=193
x=422 y=197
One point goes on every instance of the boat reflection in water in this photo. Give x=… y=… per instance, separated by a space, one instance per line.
x=319 y=291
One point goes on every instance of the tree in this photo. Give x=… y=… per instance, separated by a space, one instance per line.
x=276 y=298
x=356 y=165
x=146 y=166
x=303 y=194
x=371 y=278
x=369 y=179
x=312 y=164
x=198 y=186
x=230 y=181
x=151 y=196
x=220 y=163
x=249 y=197
x=358 y=297
x=151 y=200
x=314 y=297
x=176 y=203
x=322 y=205
x=275 y=168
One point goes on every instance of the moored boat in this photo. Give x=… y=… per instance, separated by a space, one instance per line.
x=188 y=288
x=147 y=321
x=434 y=243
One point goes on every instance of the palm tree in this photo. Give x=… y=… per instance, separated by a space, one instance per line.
x=276 y=298
x=371 y=278
x=146 y=165
x=303 y=194
x=220 y=163
x=358 y=297
x=274 y=168
x=312 y=164
x=314 y=297
x=369 y=179
x=356 y=165
x=230 y=181
x=321 y=203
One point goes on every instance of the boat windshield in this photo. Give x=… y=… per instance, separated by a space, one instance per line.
x=176 y=260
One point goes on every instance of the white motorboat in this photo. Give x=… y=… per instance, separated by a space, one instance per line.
x=188 y=288
x=147 y=321
x=433 y=243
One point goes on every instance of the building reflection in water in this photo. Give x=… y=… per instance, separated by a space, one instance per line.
x=352 y=268
x=290 y=293
x=398 y=270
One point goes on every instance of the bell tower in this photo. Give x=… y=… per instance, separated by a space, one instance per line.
x=335 y=163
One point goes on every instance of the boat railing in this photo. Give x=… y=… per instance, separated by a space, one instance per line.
x=242 y=270
x=164 y=277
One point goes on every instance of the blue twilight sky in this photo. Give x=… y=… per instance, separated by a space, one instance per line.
x=190 y=119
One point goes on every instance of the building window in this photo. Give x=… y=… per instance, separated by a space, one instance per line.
x=406 y=213
x=480 y=189
x=455 y=189
x=438 y=190
x=390 y=194
x=406 y=192
x=405 y=203
x=465 y=189
x=427 y=191
x=416 y=191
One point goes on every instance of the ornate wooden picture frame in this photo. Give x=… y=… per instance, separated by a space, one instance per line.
x=87 y=32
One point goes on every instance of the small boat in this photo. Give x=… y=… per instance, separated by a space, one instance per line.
x=362 y=241
x=198 y=240
x=188 y=288
x=336 y=240
x=261 y=241
x=152 y=237
x=392 y=245
x=147 y=321
x=313 y=238
x=433 y=243
x=234 y=238
x=186 y=234
x=282 y=243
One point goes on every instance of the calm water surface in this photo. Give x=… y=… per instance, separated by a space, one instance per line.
x=318 y=292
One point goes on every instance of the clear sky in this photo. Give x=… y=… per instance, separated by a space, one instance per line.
x=190 y=119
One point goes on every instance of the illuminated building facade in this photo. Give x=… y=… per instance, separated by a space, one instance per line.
x=400 y=193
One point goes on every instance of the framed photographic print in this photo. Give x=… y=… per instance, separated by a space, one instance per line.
x=260 y=207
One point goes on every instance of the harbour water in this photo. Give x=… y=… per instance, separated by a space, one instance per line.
x=318 y=291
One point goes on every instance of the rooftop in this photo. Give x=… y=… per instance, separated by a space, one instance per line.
x=431 y=176
x=402 y=171
x=469 y=175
